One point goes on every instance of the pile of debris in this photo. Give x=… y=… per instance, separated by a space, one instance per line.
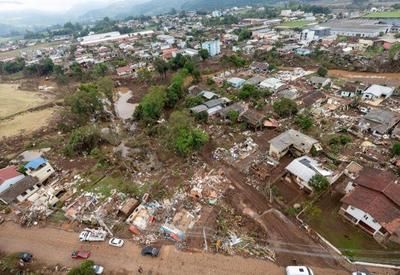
x=244 y=149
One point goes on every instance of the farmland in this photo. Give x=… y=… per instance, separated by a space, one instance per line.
x=384 y=14
x=16 y=53
x=26 y=123
x=294 y=24
x=13 y=100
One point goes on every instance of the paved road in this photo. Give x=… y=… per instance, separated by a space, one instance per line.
x=53 y=246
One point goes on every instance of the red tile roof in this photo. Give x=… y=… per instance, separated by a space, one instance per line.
x=377 y=194
x=8 y=173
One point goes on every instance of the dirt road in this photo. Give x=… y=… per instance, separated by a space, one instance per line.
x=53 y=246
x=390 y=79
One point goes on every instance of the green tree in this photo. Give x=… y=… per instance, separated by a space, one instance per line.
x=105 y=86
x=192 y=101
x=161 y=66
x=46 y=66
x=244 y=34
x=86 y=268
x=396 y=149
x=15 y=66
x=322 y=71
x=204 y=54
x=305 y=122
x=99 y=70
x=285 y=107
x=319 y=183
x=249 y=91
x=85 y=102
x=150 y=107
x=76 y=71
x=82 y=141
x=182 y=135
x=233 y=116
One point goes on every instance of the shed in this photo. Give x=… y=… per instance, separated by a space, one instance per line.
x=128 y=206
x=252 y=118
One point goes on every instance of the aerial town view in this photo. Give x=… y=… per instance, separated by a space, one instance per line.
x=200 y=137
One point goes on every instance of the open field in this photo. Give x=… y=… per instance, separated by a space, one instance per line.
x=384 y=14
x=16 y=53
x=294 y=24
x=26 y=123
x=13 y=100
x=351 y=240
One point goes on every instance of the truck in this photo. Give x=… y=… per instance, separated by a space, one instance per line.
x=93 y=235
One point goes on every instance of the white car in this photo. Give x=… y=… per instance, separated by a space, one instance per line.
x=98 y=269
x=298 y=270
x=116 y=242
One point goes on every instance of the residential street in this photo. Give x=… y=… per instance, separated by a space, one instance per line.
x=52 y=246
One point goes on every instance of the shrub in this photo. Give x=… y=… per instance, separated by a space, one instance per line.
x=305 y=122
x=285 y=107
x=82 y=140
x=319 y=183
x=396 y=149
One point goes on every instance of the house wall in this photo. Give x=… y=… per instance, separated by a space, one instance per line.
x=275 y=153
x=360 y=215
x=27 y=193
x=5 y=185
x=43 y=173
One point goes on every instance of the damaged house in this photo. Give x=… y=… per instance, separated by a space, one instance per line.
x=304 y=168
x=376 y=92
x=374 y=204
x=20 y=191
x=294 y=141
x=379 y=122
x=39 y=168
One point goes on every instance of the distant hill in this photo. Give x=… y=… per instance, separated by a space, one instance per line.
x=221 y=4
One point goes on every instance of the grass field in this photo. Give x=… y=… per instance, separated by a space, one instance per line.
x=13 y=100
x=26 y=123
x=294 y=24
x=351 y=240
x=32 y=48
x=384 y=14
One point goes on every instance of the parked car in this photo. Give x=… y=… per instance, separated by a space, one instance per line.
x=80 y=254
x=298 y=270
x=25 y=256
x=150 y=250
x=116 y=242
x=98 y=269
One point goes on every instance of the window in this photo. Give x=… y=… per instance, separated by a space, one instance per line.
x=48 y=170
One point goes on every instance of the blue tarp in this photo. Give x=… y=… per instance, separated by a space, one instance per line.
x=34 y=164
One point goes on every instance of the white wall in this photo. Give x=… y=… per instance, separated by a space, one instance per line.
x=43 y=174
x=360 y=215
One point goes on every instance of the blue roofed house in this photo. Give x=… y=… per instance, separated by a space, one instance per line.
x=39 y=168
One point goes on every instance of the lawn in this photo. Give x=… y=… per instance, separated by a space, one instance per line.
x=294 y=24
x=383 y=14
x=26 y=123
x=13 y=100
x=348 y=238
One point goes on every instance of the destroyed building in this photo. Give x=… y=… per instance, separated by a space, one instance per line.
x=294 y=141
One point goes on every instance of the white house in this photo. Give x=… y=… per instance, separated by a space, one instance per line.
x=271 y=83
x=213 y=47
x=374 y=205
x=375 y=92
x=39 y=168
x=236 y=82
x=304 y=168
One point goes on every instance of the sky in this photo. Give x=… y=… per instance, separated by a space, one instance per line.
x=44 y=5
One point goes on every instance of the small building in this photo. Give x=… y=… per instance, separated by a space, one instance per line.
x=259 y=67
x=253 y=119
x=374 y=204
x=319 y=82
x=271 y=83
x=20 y=191
x=236 y=82
x=375 y=92
x=235 y=107
x=255 y=80
x=127 y=207
x=379 y=122
x=304 y=168
x=9 y=176
x=213 y=47
x=294 y=141
x=208 y=95
x=124 y=71
x=39 y=168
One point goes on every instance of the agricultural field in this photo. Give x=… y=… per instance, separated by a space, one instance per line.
x=25 y=123
x=294 y=24
x=384 y=14
x=13 y=100
x=16 y=53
